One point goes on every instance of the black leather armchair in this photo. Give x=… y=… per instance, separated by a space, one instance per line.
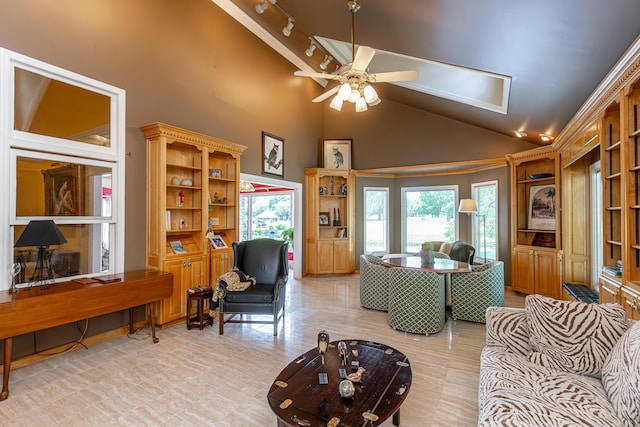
x=266 y=260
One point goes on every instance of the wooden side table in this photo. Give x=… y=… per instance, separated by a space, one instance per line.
x=202 y=319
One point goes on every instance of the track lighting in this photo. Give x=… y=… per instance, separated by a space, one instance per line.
x=545 y=137
x=287 y=30
x=312 y=48
x=520 y=134
x=326 y=61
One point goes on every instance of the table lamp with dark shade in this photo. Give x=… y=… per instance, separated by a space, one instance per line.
x=41 y=234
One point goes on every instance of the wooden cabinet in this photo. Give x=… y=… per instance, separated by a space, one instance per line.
x=330 y=221
x=535 y=222
x=537 y=271
x=192 y=189
x=221 y=261
x=609 y=289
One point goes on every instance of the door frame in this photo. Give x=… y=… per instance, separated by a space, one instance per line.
x=297 y=215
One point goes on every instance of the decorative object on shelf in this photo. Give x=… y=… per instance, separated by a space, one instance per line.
x=343 y=189
x=180 y=199
x=426 y=254
x=216 y=240
x=337 y=153
x=182 y=224
x=355 y=81
x=540 y=175
x=215 y=173
x=331 y=186
x=542 y=207
x=346 y=389
x=186 y=182
x=545 y=240
x=343 y=352
x=272 y=154
x=41 y=234
x=175 y=181
x=177 y=247
x=323 y=190
x=14 y=270
x=324 y=218
x=213 y=221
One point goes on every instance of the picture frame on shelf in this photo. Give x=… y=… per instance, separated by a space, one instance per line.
x=218 y=242
x=324 y=219
x=272 y=155
x=336 y=154
x=542 y=207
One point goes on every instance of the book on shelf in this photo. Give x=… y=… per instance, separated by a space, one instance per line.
x=86 y=280
x=177 y=247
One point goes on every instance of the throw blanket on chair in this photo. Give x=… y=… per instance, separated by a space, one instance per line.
x=235 y=280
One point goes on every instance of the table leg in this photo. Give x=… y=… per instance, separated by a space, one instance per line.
x=396 y=418
x=152 y=317
x=131 y=331
x=6 y=368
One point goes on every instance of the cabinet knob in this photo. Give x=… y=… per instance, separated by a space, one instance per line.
x=184 y=263
x=189 y=264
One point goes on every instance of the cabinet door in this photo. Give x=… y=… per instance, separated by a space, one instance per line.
x=325 y=257
x=548 y=280
x=341 y=257
x=631 y=303
x=221 y=262
x=196 y=273
x=174 y=308
x=523 y=271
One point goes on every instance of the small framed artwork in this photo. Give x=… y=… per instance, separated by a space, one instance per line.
x=324 y=218
x=272 y=155
x=542 y=207
x=64 y=190
x=337 y=153
x=218 y=242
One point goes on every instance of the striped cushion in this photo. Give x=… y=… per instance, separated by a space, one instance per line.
x=572 y=336
x=621 y=376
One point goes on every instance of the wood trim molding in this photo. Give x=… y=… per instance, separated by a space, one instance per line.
x=434 y=169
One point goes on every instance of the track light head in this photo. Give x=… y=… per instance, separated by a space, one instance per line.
x=261 y=7
x=287 y=29
x=312 y=48
x=325 y=63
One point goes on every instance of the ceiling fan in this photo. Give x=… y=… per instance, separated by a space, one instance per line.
x=354 y=80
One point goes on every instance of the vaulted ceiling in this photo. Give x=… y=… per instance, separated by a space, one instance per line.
x=553 y=53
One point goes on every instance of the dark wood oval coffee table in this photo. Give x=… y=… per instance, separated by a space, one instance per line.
x=297 y=398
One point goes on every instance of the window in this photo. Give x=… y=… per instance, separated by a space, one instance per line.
x=376 y=219
x=63 y=152
x=428 y=213
x=485 y=230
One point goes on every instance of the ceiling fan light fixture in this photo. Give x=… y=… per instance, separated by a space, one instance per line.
x=336 y=103
x=361 y=105
x=345 y=91
x=376 y=102
x=354 y=96
x=287 y=29
x=370 y=94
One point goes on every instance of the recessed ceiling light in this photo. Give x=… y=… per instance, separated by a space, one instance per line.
x=520 y=134
x=545 y=137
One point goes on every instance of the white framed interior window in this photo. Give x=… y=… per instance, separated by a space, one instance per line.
x=485 y=231
x=428 y=213
x=376 y=220
x=62 y=156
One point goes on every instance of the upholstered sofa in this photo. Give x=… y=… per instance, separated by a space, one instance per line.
x=560 y=363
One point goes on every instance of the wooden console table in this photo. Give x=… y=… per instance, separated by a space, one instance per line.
x=34 y=309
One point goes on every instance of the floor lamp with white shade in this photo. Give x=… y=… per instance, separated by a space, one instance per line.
x=470 y=206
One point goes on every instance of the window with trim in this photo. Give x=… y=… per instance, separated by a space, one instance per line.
x=376 y=219
x=428 y=213
x=63 y=157
x=485 y=230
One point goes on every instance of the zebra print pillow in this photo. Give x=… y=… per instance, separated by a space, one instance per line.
x=621 y=376
x=572 y=336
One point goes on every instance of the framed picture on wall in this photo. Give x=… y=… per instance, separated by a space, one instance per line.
x=542 y=207
x=64 y=190
x=337 y=153
x=272 y=155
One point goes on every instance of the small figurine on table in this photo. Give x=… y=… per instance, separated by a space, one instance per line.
x=343 y=352
x=323 y=343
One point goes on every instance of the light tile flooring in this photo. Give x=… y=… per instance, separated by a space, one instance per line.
x=199 y=378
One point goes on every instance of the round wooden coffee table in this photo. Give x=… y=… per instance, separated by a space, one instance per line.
x=298 y=399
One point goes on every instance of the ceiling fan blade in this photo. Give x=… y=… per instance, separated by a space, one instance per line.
x=316 y=75
x=327 y=94
x=395 y=76
x=364 y=55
